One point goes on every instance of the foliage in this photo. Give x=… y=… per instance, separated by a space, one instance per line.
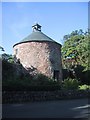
x=41 y=79
x=75 y=55
x=1 y=48
x=5 y=56
x=70 y=84
x=8 y=57
x=13 y=78
x=76 y=47
x=84 y=87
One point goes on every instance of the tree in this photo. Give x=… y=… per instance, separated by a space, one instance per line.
x=76 y=56
x=8 y=57
x=1 y=48
x=76 y=47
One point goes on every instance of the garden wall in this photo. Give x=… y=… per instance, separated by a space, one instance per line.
x=31 y=96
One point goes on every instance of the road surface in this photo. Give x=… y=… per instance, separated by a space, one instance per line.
x=78 y=108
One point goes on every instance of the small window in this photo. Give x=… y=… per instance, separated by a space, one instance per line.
x=56 y=75
x=16 y=51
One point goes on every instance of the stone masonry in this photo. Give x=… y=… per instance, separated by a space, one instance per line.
x=41 y=57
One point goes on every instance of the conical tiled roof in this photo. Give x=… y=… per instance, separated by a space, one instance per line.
x=36 y=36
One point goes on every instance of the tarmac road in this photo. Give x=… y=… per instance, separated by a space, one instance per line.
x=78 y=108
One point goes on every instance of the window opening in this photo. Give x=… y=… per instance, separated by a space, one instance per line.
x=16 y=51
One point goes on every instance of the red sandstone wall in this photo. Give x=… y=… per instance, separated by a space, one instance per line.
x=42 y=57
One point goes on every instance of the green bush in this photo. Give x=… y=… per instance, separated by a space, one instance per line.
x=84 y=87
x=70 y=84
x=39 y=82
x=41 y=79
x=13 y=78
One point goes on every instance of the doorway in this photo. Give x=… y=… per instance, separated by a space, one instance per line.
x=56 y=75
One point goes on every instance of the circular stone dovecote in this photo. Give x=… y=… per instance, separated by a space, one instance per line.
x=38 y=53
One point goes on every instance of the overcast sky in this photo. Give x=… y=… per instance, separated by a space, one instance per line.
x=56 y=18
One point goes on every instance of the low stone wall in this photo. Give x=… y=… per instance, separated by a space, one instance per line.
x=31 y=96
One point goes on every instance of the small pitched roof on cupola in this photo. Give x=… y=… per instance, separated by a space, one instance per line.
x=36 y=36
x=36 y=27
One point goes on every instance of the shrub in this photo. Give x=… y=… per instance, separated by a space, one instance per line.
x=41 y=79
x=70 y=84
x=84 y=87
x=14 y=77
x=39 y=82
